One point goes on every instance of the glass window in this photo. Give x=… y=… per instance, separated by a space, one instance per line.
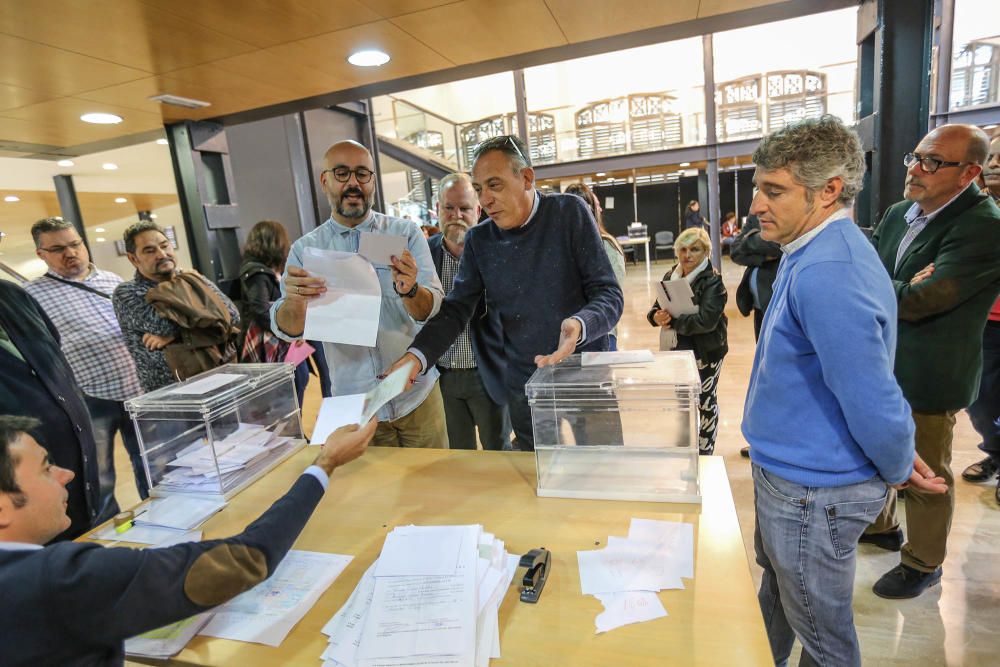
x=773 y=74
x=975 y=67
x=637 y=100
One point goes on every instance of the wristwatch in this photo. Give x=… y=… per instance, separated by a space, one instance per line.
x=408 y=295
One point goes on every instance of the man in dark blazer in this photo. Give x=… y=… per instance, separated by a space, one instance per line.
x=941 y=248
x=75 y=603
x=472 y=369
x=761 y=259
x=37 y=381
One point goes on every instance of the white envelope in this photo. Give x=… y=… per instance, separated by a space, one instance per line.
x=349 y=311
x=381 y=248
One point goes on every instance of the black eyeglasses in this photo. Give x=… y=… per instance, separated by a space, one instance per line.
x=60 y=249
x=928 y=164
x=513 y=144
x=343 y=174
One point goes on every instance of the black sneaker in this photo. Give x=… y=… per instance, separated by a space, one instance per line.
x=745 y=452
x=981 y=471
x=891 y=541
x=903 y=582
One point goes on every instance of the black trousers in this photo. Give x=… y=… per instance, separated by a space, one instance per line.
x=985 y=411
x=468 y=407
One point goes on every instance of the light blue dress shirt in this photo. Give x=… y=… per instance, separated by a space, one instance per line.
x=355 y=369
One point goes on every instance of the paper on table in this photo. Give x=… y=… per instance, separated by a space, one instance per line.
x=628 y=607
x=349 y=311
x=675 y=297
x=622 y=357
x=205 y=385
x=167 y=641
x=388 y=389
x=298 y=352
x=657 y=559
x=344 y=629
x=335 y=412
x=675 y=542
x=380 y=248
x=267 y=612
x=421 y=551
x=179 y=512
x=156 y=536
x=618 y=568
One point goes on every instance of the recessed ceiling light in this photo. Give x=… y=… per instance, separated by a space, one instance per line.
x=162 y=142
x=599 y=174
x=120 y=200
x=99 y=230
x=152 y=216
x=12 y=198
x=368 y=58
x=65 y=163
x=101 y=118
x=100 y=239
x=110 y=166
x=685 y=164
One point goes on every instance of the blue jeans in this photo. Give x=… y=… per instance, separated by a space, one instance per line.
x=109 y=417
x=805 y=539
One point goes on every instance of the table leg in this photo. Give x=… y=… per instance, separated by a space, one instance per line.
x=648 y=278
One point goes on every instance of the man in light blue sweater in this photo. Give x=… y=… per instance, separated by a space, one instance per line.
x=827 y=424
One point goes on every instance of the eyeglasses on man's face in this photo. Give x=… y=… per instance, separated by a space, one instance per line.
x=60 y=249
x=928 y=165
x=343 y=174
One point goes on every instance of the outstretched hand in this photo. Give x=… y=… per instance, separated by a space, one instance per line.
x=569 y=334
x=402 y=361
x=344 y=445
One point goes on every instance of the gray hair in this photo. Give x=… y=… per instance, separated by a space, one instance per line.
x=47 y=226
x=507 y=144
x=139 y=228
x=814 y=151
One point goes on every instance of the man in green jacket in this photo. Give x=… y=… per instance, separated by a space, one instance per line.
x=941 y=248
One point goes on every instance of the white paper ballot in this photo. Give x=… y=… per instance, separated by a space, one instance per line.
x=205 y=385
x=381 y=248
x=674 y=540
x=612 y=358
x=156 y=536
x=421 y=551
x=675 y=297
x=388 y=389
x=348 y=312
x=267 y=612
x=167 y=641
x=178 y=512
x=334 y=412
x=628 y=607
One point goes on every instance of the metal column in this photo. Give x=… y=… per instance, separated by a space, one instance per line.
x=714 y=203
x=69 y=205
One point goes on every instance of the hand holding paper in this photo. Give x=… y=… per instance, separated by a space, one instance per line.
x=344 y=445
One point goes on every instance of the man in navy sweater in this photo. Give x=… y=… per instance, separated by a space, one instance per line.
x=827 y=424
x=75 y=603
x=540 y=263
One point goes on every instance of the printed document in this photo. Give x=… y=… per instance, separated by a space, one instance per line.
x=349 y=311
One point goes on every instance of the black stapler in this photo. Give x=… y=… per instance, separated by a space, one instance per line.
x=538 y=561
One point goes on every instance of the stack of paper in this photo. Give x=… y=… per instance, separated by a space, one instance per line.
x=167 y=641
x=178 y=512
x=431 y=598
x=626 y=575
x=248 y=448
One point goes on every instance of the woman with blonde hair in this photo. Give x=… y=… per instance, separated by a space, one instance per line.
x=703 y=332
x=611 y=246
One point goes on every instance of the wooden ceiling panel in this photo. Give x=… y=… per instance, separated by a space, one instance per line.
x=125 y=32
x=266 y=23
x=12 y=97
x=328 y=53
x=56 y=71
x=391 y=8
x=716 y=7
x=57 y=122
x=299 y=78
x=583 y=20
x=476 y=30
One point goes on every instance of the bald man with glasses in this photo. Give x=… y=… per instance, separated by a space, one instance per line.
x=941 y=247
x=411 y=294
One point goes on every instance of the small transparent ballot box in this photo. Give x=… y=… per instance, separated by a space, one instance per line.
x=617 y=431
x=215 y=433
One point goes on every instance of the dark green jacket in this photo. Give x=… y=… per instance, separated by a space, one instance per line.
x=941 y=319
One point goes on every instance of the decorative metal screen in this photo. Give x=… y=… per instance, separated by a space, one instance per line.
x=740 y=113
x=652 y=124
x=601 y=128
x=472 y=134
x=794 y=96
x=974 y=75
x=433 y=142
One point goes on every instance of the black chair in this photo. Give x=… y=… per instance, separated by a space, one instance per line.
x=629 y=251
x=663 y=241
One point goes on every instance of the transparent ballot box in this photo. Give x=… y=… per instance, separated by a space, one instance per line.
x=617 y=432
x=217 y=432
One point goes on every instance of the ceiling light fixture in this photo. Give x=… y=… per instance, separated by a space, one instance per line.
x=65 y=163
x=101 y=118
x=12 y=198
x=100 y=239
x=685 y=164
x=152 y=216
x=178 y=101
x=120 y=200
x=599 y=174
x=368 y=58
x=99 y=230
x=162 y=142
x=110 y=166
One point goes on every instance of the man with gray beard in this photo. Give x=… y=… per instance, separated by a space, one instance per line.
x=472 y=368
x=411 y=294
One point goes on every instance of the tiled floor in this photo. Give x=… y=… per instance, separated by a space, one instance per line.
x=956 y=623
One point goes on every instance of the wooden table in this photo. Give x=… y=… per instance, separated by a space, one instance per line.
x=714 y=621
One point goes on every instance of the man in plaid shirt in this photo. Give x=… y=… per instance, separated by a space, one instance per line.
x=76 y=296
x=472 y=368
